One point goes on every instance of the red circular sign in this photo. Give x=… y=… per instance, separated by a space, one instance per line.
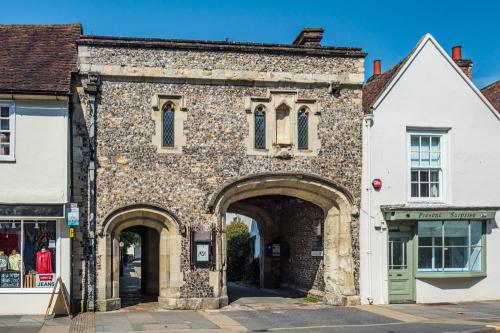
x=377 y=184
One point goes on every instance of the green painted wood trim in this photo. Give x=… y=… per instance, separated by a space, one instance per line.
x=395 y=214
x=410 y=260
x=445 y=275
x=449 y=275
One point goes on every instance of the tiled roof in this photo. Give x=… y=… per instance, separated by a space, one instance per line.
x=492 y=93
x=376 y=85
x=38 y=58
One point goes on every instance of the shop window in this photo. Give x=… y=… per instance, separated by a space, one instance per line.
x=260 y=128
x=450 y=246
x=426 y=167
x=27 y=254
x=7 y=118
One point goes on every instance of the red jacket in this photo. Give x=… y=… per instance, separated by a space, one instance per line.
x=44 y=262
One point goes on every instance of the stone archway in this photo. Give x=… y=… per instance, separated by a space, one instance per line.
x=108 y=275
x=338 y=208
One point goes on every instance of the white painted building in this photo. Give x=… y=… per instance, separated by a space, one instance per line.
x=34 y=164
x=431 y=232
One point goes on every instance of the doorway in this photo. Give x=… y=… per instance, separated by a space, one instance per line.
x=139 y=266
x=400 y=267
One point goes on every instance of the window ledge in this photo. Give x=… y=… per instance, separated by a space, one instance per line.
x=434 y=201
x=7 y=159
x=450 y=275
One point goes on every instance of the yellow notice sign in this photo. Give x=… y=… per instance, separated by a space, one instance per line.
x=71 y=232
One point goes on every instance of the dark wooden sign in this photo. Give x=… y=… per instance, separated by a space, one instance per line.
x=10 y=279
x=32 y=210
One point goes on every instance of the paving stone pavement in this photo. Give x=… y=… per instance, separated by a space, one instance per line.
x=33 y=324
x=272 y=315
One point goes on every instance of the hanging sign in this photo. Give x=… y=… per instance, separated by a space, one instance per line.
x=45 y=280
x=73 y=216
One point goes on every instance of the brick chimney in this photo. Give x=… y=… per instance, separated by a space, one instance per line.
x=464 y=64
x=309 y=37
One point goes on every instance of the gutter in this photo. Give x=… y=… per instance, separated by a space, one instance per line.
x=92 y=90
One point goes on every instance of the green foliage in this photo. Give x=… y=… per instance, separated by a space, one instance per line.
x=237 y=250
x=129 y=238
x=311 y=299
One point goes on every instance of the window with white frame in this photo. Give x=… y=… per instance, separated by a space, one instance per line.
x=426 y=166
x=6 y=131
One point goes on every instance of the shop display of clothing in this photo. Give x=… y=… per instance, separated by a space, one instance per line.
x=15 y=262
x=10 y=240
x=44 y=261
x=4 y=261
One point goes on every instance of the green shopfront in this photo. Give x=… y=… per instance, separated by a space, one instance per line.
x=430 y=244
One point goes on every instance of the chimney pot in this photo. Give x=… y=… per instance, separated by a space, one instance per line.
x=456 y=53
x=309 y=37
x=464 y=64
x=377 y=67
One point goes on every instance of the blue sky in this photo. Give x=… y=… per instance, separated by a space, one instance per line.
x=385 y=29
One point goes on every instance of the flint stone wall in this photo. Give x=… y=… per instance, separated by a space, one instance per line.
x=130 y=170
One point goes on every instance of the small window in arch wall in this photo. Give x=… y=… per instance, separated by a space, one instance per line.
x=168 y=126
x=260 y=128
x=302 y=129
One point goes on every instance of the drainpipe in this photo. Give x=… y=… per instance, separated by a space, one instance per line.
x=368 y=120
x=92 y=90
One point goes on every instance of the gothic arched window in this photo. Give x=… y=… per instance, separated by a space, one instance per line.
x=302 y=128
x=260 y=128
x=168 y=125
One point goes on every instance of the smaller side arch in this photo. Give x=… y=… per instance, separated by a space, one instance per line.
x=145 y=210
x=168 y=229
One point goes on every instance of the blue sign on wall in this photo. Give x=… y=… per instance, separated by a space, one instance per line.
x=73 y=216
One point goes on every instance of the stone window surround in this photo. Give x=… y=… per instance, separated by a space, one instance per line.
x=180 y=115
x=273 y=100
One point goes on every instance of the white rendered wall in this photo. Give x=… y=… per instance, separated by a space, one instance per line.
x=40 y=171
x=431 y=94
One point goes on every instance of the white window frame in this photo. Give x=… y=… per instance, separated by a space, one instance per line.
x=443 y=143
x=12 y=130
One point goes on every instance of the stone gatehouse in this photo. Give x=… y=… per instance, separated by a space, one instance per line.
x=186 y=131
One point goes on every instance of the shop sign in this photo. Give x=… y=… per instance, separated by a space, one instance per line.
x=397 y=215
x=10 y=279
x=73 y=216
x=46 y=280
